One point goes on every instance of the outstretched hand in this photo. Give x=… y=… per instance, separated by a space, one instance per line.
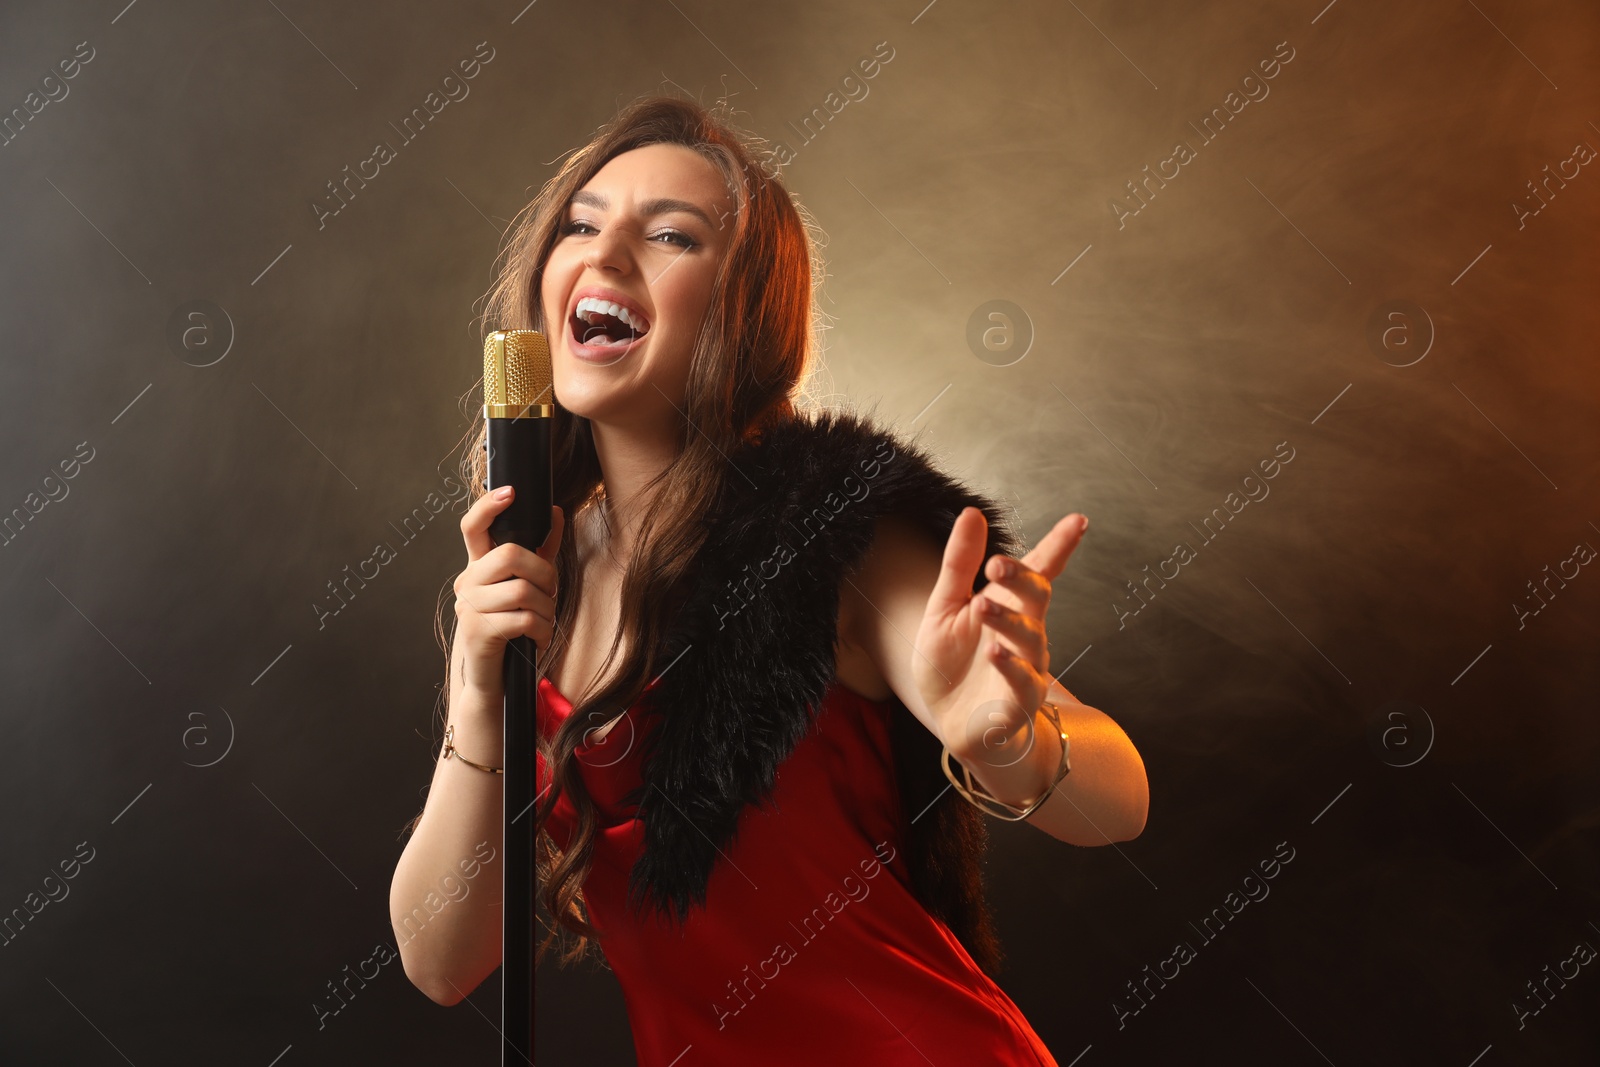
x=982 y=661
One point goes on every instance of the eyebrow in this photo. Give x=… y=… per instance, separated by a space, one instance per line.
x=659 y=206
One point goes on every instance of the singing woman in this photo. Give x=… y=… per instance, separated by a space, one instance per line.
x=788 y=667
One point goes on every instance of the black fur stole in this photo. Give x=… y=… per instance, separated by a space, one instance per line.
x=756 y=636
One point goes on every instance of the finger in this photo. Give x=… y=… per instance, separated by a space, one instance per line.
x=475 y=523
x=963 y=552
x=511 y=560
x=498 y=623
x=552 y=541
x=506 y=625
x=1029 y=589
x=1024 y=679
x=1024 y=633
x=515 y=594
x=1050 y=555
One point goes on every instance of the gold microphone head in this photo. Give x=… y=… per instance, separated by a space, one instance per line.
x=516 y=375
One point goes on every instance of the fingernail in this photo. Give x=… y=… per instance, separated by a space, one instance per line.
x=1083 y=524
x=503 y=493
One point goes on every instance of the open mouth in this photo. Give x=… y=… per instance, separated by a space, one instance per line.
x=600 y=323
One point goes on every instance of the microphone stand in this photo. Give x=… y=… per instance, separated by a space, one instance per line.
x=519 y=455
x=517 y=922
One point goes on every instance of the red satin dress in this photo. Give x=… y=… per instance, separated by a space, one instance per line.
x=811 y=948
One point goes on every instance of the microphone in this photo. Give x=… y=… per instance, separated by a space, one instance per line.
x=518 y=406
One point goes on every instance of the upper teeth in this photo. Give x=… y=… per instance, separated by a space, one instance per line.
x=592 y=306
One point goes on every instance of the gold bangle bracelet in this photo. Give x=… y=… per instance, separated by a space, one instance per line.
x=981 y=799
x=451 y=750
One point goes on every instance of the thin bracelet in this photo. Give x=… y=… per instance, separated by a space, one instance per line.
x=980 y=798
x=451 y=750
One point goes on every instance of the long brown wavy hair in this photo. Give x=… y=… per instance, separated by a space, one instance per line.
x=753 y=350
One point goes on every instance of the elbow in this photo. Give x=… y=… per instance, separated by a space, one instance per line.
x=443 y=989
x=446 y=996
x=1138 y=808
x=1134 y=807
x=437 y=988
x=1125 y=828
x=1133 y=826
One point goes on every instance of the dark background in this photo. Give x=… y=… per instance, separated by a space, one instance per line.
x=162 y=614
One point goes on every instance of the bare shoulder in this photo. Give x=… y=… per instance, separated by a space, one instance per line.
x=893 y=581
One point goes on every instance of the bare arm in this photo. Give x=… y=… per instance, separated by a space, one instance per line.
x=1104 y=798
x=445 y=901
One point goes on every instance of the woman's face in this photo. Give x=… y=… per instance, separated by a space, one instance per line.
x=647 y=233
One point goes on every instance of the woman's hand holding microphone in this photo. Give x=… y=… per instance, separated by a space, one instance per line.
x=506 y=591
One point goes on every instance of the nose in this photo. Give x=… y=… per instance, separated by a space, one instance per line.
x=608 y=251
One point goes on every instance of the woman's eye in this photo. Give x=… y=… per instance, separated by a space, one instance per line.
x=578 y=226
x=679 y=238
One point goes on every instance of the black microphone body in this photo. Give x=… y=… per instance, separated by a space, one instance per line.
x=519 y=456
